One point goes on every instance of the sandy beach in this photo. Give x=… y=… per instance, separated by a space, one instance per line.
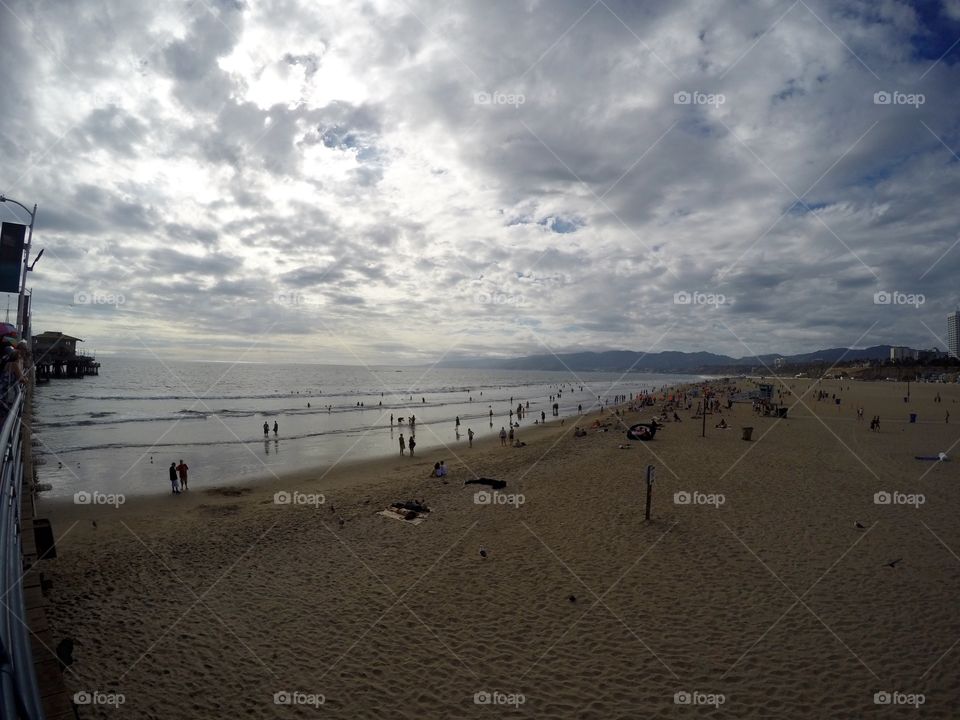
x=760 y=598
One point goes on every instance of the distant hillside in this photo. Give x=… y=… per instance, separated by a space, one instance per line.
x=667 y=361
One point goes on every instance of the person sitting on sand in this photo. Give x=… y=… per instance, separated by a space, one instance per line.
x=443 y=470
x=436 y=470
x=722 y=424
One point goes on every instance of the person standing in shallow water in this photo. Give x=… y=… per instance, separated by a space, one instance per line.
x=173 y=478
x=276 y=427
x=413 y=444
x=266 y=428
x=470 y=436
x=403 y=444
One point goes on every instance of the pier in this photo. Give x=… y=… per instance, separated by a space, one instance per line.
x=55 y=355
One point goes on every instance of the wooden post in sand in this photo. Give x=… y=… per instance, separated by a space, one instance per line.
x=650 y=478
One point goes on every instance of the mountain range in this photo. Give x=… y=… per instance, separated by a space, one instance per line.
x=666 y=361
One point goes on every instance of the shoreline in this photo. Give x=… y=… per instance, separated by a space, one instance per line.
x=575 y=602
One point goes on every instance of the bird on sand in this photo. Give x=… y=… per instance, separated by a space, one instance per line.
x=483 y=553
x=893 y=563
x=860 y=526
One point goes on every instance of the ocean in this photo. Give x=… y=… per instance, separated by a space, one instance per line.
x=118 y=432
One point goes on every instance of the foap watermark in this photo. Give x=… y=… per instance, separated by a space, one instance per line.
x=298 y=498
x=695 y=97
x=696 y=697
x=95 y=297
x=495 y=497
x=895 y=297
x=895 y=697
x=495 y=298
x=296 y=697
x=290 y=298
x=494 y=697
x=98 y=498
x=695 y=497
x=699 y=298
x=895 y=97
x=496 y=97
x=95 y=697
x=898 y=498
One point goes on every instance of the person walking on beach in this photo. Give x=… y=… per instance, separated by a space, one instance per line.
x=173 y=478
x=503 y=435
x=266 y=428
x=403 y=444
x=182 y=472
x=470 y=433
x=458 y=423
x=413 y=444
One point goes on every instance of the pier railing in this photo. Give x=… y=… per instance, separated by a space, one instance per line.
x=19 y=692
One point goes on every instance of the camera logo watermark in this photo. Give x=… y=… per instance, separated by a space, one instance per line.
x=483 y=298
x=95 y=697
x=296 y=697
x=695 y=697
x=695 y=497
x=695 y=97
x=895 y=697
x=98 y=498
x=495 y=497
x=898 y=498
x=699 y=298
x=298 y=498
x=95 y=297
x=485 y=697
x=498 y=98
x=898 y=298
x=884 y=97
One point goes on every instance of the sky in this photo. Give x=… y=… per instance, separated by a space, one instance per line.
x=404 y=181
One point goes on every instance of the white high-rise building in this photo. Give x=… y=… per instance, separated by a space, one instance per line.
x=953 y=334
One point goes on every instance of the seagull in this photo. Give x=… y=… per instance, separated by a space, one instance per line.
x=483 y=553
x=860 y=526
x=893 y=563
x=94 y=524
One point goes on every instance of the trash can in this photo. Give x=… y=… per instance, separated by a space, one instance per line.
x=913 y=417
x=747 y=433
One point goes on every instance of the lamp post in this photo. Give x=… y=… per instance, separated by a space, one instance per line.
x=26 y=257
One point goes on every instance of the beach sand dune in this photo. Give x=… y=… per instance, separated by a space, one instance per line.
x=760 y=595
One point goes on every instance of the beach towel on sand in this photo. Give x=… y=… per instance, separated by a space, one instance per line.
x=495 y=484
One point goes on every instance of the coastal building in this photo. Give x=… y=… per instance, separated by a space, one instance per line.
x=55 y=355
x=953 y=334
x=900 y=353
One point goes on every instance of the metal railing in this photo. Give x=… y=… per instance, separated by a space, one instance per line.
x=19 y=693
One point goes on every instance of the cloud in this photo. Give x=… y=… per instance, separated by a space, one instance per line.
x=509 y=174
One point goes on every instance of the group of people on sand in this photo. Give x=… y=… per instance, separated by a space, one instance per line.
x=178 y=477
